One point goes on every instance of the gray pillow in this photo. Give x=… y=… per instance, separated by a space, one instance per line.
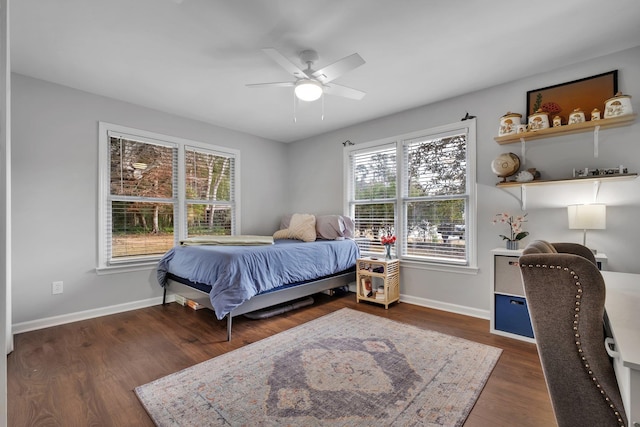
x=328 y=227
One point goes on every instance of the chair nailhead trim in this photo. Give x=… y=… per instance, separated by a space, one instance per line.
x=578 y=344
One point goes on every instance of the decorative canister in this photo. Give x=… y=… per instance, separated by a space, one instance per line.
x=576 y=116
x=509 y=123
x=557 y=121
x=595 y=114
x=539 y=120
x=619 y=105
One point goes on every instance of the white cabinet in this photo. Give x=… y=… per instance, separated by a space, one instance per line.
x=509 y=311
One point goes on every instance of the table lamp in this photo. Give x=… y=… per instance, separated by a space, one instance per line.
x=587 y=217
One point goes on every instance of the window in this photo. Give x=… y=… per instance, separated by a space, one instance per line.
x=156 y=190
x=420 y=187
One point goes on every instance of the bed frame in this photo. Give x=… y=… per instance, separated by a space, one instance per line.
x=265 y=300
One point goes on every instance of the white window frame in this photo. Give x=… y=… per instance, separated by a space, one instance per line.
x=105 y=265
x=470 y=266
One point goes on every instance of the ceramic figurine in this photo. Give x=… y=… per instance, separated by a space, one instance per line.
x=524 y=176
x=595 y=114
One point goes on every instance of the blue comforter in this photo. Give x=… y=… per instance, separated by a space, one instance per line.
x=237 y=273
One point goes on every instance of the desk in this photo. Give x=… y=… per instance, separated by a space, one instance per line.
x=623 y=313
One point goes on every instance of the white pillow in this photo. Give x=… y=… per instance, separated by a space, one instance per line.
x=302 y=227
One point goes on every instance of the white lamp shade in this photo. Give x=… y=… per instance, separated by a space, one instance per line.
x=587 y=217
x=308 y=90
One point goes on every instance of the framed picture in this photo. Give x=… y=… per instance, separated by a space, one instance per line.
x=562 y=99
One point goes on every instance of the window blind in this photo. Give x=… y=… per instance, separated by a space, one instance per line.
x=142 y=195
x=435 y=198
x=373 y=195
x=210 y=189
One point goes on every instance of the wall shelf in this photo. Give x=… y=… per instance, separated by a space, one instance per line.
x=616 y=177
x=589 y=126
x=595 y=180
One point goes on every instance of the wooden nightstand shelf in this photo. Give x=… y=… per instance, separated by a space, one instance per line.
x=374 y=274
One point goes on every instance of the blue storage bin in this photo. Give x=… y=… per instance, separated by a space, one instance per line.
x=512 y=315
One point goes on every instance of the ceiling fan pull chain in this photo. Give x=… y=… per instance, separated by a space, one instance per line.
x=295 y=104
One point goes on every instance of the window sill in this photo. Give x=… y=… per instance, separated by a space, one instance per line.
x=448 y=268
x=126 y=268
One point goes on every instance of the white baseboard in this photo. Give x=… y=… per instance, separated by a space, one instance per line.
x=47 y=322
x=439 y=305
x=445 y=306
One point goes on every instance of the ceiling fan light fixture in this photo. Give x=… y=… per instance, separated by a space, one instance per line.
x=308 y=90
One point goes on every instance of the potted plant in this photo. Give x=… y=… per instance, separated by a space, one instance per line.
x=515 y=228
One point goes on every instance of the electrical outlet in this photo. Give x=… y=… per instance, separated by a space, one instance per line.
x=56 y=288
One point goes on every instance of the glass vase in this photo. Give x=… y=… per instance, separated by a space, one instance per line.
x=513 y=244
x=387 y=253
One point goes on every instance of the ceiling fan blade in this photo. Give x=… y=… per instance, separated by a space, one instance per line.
x=275 y=84
x=338 y=68
x=347 y=92
x=284 y=62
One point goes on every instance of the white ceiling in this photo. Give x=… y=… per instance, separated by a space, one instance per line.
x=193 y=58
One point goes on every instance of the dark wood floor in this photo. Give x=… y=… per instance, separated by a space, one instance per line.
x=84 y=373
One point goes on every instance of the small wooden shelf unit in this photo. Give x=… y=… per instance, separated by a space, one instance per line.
x=378 y=280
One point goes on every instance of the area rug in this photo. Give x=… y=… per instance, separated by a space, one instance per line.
x=344 y=369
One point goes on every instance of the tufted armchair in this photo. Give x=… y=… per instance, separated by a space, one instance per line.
x=565 y=295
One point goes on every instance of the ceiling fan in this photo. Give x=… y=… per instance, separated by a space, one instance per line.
x=312 y=84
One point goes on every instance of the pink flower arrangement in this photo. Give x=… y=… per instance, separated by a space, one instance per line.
x=388 y=239
x=515 y=226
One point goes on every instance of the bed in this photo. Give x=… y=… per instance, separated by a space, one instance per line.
x=236 y=279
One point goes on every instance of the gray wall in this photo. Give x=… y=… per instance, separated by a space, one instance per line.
x=55 y=173
x=318 y=186
x=55 y=194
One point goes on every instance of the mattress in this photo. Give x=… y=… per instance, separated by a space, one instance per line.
x=237 y=273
